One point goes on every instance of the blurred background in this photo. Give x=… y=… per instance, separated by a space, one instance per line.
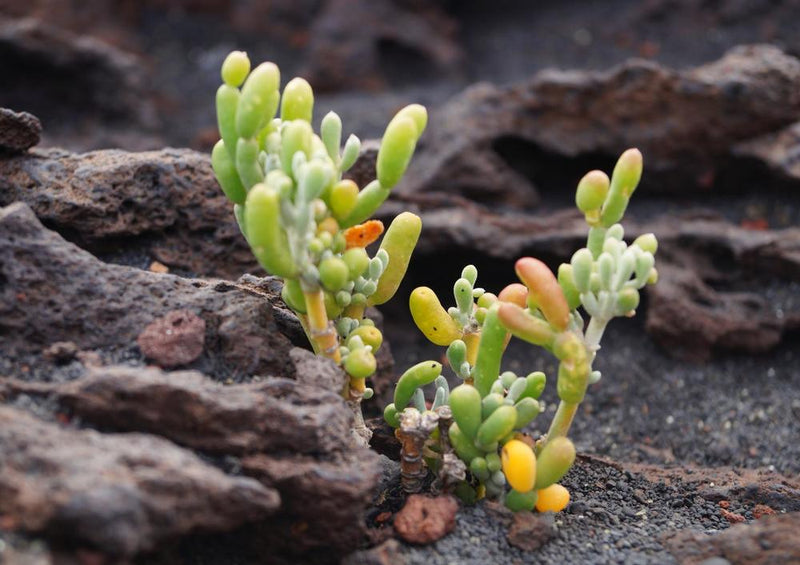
x=140 y=74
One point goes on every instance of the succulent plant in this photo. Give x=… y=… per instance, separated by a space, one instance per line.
x=492 y=407
x=306 y=223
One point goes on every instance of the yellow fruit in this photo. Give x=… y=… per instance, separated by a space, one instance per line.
x=552 y=499
x=431 y=318
x=519 y=465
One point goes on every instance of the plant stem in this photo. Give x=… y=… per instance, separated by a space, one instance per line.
x=567 y=410
x=320 y=331
x=354 y=311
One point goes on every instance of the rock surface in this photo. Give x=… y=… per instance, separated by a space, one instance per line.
x=175 y=339
x=19 y=131
x=425 y=519
x=122 y=493
x=771 y=540
x=484 y=144
x=53 y=291
x=293 y=430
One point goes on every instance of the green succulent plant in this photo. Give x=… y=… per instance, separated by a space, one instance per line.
x=492 y=407
x=306 y=223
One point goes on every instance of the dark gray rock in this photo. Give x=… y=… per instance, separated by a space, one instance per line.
x=53 y=291
x=19 y=131
x=686 y=123
x=123 y=494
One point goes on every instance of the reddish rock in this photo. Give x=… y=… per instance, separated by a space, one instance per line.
x=530 y=531
x=732 y=517
x=771 y=540
x=761 y=510
x=173 y=340
x=424 y=519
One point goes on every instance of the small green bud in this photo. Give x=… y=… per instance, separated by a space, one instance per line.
x=508 y=378
x=486 y=300
x=491 y=402
x=605 y=269
x=390 y=414
x=298 y=100
x=521 y=501
x=567 y=282
x=296 y=138
x=591 y=193
x=554 y=461
x=536 y=382
x=647 y=242
x=397 y=147
x=357 y=261
x=480 y=315
x=652 y=278
x=462 y=290
x=527 y=410
x=352 y=148
x=292 y=295
x=331 y=134
x=360 y=363
x=465 y=402
x=624 y=180
x=516 y=390
x=470 y=273
x=493 y=462
x=627 y=300
x=235 y=68
x=343 y=298
x=333 y=273
x=457 y=354
x=258 y=101
x=343 y=198
x=582 y=262
x=463 y=444
x=479 y=468
x=225 y=171
x=496 y=426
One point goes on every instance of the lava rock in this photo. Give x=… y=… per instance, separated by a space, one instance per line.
x=19 y=131
x=772 y=539
x=424 y=519
x=174 y=339
x=54 y=291
x=103 y=197
x=122 y=494
x=351 y=40
x=44 y=63
x=275 y=415
x=485 y=143
x=531 y=531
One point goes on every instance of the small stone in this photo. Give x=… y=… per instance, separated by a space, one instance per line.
x=761 y=510
x=19 y=131
x=157 y=267
x=732 y=517
x=61 y=352
x=531 y=531
x=176 y=339
x=424 y=520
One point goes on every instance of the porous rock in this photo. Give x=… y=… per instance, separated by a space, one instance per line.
x=54 y=291
x=124 y=494
x=174 y=339
x=426 y=519
x=165 y=202
x=19 y=131
x=484 y=143
x=531 y=531
x=706 y=299
x=274 y=415
x=351 y=40
x=42 y=62
x=770 y=540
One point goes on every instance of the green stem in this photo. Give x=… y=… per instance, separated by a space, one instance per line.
x=566 y=410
